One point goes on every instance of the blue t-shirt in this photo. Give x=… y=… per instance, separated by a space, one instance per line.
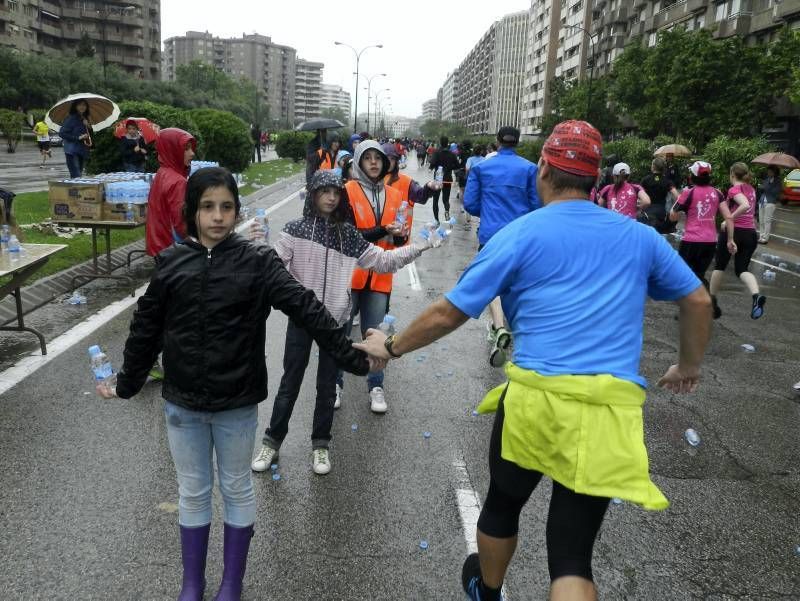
x=573 y=278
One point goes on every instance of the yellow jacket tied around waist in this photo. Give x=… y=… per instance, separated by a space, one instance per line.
x=585 y=432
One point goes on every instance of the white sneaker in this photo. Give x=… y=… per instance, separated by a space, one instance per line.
x=377 y=401
x=338 y=402
x=321 y=462
x=266 y=457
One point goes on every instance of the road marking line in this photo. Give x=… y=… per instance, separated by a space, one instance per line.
x=770 y=266
x=469 y=509
x=784 y=238
x=31 y=363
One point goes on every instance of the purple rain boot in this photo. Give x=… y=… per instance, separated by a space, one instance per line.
x=194 y=547
x=237 y=545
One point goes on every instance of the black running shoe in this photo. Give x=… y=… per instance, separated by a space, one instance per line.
x=471 y=577
x=715 y=307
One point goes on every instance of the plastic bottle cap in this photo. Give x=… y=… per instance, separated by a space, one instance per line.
x=426 y=434
x=423 y=544
x=276 y=476
x=390 y=319
x=474 y=413
x=354 y=427
x=94 y=350
x=273 y=467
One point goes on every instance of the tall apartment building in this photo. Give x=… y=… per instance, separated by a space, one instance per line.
x=485 y=91
x=449 y=92
x=558 y=46
x=431 y=110
x=272 y=67
x=127 y=34
x=616 y=22
x=308 y=90
x=333 y=96
x=508 y=71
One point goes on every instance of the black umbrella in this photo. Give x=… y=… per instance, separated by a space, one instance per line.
x=320 y=123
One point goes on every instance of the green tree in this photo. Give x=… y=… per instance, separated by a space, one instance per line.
x=85 y=47
x=723 y=151
x=433 y=129
x=572 y=100
x=11 y=127
x=335 y=112
x=226 y=137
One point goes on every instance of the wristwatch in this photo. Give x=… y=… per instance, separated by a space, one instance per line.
x=388 y=344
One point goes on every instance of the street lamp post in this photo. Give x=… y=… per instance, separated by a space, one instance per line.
x=591 y=66
x=369 y=85
x=377 y=95
x=357 y=54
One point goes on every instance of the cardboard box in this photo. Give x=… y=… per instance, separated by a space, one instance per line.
x=118 y=212
x=76 y=202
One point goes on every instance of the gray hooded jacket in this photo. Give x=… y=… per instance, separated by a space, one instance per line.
x=374 y=191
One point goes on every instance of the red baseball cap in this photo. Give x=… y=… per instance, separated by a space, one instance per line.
x=575 y=147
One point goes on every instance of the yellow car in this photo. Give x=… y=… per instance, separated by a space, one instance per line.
x=791 y=187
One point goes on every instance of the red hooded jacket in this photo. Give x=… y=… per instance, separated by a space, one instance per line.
x=167 y=193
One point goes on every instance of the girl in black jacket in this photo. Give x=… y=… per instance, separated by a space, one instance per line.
x=207 y=306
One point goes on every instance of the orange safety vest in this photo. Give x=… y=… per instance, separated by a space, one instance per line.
x=365 y=219
x=327 y=159
x=403 y=185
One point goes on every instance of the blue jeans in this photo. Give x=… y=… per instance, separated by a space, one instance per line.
x=75 y=164
x=372 y=307
x=193 y=438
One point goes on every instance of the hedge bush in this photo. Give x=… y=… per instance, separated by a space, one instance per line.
x=292 y=144
x=106 y=156
x=530 y=150
x=227 y=138
x=636 y=152
x=11 y=127
x=724 y=151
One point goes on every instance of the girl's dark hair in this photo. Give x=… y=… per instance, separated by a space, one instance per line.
x=659 y=165
x=477 y=151
x=200 y=181
x=73 y=108
x=773 y=170
x=704 y=179
x=343 y=212
x=621 y=179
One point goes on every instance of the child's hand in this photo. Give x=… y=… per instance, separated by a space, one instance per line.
x=394 y=229
x=105 y=391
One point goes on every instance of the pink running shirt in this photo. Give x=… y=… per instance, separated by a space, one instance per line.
x=622 y=201
x=745 y=221
x=701 y=225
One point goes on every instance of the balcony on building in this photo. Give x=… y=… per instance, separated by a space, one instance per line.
x=735 y=25
x=788 y=8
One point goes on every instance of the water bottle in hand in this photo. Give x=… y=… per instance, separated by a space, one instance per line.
x=104 y=375
x=387 y=325
x=402 y=217
x=262 y=224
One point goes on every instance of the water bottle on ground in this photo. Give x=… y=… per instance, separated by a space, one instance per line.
x=692 y=437
x=101 y=367
x=5 y=234
x=76 y=299
x=387 y=325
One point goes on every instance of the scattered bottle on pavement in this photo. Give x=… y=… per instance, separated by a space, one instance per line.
x=426 y=434
x=768 y=275
x=475 y=413
x=616 y=501
x=101 y=366
x=76 y=299
x=783 y=265
x=748 y=348
x=354 y=427
x=692 y=437
x=387 y=325
x=276 y=476
x=423 y=544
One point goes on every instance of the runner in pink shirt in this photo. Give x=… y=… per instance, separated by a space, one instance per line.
x=700 y=203
x=741 y=243
x=622 y=196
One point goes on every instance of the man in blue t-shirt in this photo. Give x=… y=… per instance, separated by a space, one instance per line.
x=573 y=279
x=498 y=192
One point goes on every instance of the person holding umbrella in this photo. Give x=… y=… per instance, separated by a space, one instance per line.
x=75 y=131
x=133 y=148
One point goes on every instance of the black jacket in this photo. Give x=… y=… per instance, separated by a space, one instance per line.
x=208 y=309
x=445 y=159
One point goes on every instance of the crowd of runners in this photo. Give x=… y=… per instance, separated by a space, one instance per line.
x=571 y=406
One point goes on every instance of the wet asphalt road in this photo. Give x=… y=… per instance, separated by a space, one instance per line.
x=87 y=499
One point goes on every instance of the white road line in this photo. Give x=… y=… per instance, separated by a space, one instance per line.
x=770 y=266
x=31 y=363
x=469 y=509
x=784 y=238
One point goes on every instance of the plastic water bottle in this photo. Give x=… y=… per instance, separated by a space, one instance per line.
x=387 y=325
x=768 y=275
x=5 y=234
x=101 y=366
x=263 y=221
x=692 y=437
x=402 y=216
x=76 y=299
x=130 y=215
x=439 y=175
x=13 y=248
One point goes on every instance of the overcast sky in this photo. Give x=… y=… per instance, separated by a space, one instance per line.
x=422 y=39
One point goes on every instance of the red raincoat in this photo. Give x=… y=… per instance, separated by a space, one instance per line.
x=167 y=193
